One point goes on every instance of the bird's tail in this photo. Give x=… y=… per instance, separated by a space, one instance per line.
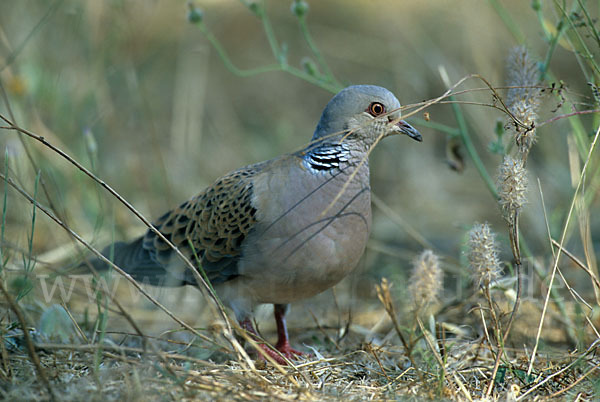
x=135 y=260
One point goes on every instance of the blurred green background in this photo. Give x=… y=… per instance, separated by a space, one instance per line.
x=136 y=93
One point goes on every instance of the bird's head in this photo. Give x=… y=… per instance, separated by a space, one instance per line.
x=365 y=113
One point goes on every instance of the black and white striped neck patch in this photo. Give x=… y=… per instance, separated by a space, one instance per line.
x=326 y=157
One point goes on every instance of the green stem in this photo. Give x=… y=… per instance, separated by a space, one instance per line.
x=451 y=131
x=227 y=61
x=466 y=139
x=508 y=21
x=262 y=15
x=281 y=66
x=317 y=53
x=590 y=22
x=31 y=261
x=553 y=42
x=3 y=258
x=296 y=72
x=583 y=51
x=540 y=17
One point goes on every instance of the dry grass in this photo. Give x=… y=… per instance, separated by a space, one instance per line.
x=128 y=97
x=355 y=369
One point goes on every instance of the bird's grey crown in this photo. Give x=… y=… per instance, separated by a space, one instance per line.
x=349 y=102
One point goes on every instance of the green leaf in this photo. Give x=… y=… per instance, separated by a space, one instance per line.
x=56 y=325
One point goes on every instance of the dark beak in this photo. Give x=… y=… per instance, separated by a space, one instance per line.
x=405 y=128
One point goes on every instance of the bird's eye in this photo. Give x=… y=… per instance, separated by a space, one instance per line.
x=376 y=109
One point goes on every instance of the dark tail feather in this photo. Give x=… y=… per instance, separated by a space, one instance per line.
x=134 y=259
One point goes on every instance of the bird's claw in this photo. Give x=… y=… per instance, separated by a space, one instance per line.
x=289 y=352
x=284 y=350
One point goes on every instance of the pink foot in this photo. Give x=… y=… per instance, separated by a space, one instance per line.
x=283 y=344
x=289 y=352
x=286 y=350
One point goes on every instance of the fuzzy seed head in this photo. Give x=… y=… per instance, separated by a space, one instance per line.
x=523 y=100
x=512 y=185
x=523 y=74
x=525 y=137
x=483 y=255
x=426 y=279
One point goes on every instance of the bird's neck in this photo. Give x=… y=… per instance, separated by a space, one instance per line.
x=333 y=157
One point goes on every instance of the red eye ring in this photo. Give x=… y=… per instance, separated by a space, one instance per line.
x=376 y=109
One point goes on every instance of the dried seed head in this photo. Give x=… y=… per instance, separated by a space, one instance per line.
x=512 y=185
x=483 y=255
x=426 y=279
x=523 y=75
x=523 y=100
x=525 y=137
x=384 y=296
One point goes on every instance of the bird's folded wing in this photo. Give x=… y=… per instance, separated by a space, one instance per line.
x=209 y=229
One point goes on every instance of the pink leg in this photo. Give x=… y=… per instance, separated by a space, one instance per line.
x=283 y=344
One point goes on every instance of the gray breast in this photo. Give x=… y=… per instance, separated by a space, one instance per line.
x=310 y=238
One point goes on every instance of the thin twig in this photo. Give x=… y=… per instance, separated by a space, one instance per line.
x=198 y=277
x=578 y=262
x=514 y=242
x=499 y=340
x=200 y=280
x=567 y=115
x=568 y=328
x=574 y=383
x=103 y=258
x=562 y=240
x=383 y=293
x=589 y=350
x=374 y=353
